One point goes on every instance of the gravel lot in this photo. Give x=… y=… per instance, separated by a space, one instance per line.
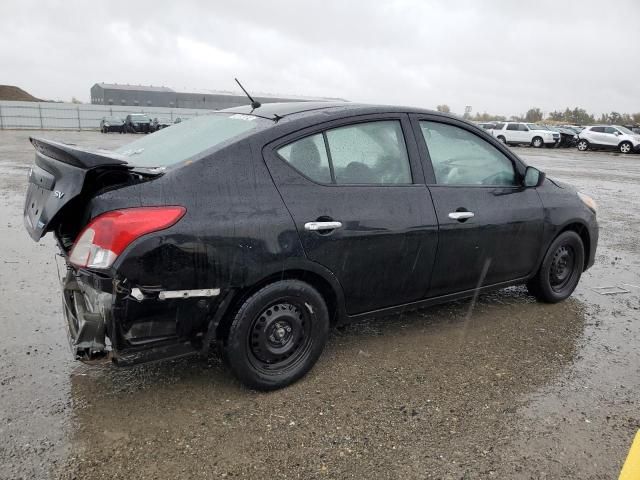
x=513 y=389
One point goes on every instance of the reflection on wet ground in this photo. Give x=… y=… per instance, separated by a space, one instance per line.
x=517 y=389
x=400 y=394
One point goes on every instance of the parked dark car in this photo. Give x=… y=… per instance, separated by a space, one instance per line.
x=137 y=123
x=568 y=137
x=111 y=124
x=257 y=230
x=159 y=123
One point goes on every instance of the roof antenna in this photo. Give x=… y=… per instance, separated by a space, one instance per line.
x=254 y=104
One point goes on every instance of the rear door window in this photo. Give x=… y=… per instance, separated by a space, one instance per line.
x=597 y=129
x=371 y=152
x=512 y=126
x=365 y=153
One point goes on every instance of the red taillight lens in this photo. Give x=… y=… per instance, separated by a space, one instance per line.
x=106 y=237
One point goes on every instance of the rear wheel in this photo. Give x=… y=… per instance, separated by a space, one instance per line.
x=277 y=335
x=625 y=147
x=537 y=142
x=583 y=145
x=560 y=270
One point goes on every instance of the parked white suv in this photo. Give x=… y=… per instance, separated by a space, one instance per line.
x=519 y=132
x=614 y=137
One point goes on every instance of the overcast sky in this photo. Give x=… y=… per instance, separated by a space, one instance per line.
x=497 y=56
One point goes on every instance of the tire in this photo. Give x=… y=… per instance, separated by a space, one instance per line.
x=501 y=139
x=277 y=335
x=560 y=270
x=625 y=147
x=583 y=145
x=537 y=142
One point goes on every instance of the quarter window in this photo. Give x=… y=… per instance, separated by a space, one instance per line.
x=512 y=126
x=610 y=130
x=309 y=156
x=365 y=153
x=462 y=158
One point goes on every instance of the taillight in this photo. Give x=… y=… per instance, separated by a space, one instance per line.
x=106 y=237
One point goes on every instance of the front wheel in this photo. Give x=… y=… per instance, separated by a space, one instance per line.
x=537 y=142
x=625 y=147
x=501 y=139
x=583 y=145
x=277 y=335
x=560 y=270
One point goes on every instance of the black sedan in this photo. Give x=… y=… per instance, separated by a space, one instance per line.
x=111 y=124
x=256 y=230
x=137 y=123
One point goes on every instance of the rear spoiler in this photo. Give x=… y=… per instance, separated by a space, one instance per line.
x=76 y=156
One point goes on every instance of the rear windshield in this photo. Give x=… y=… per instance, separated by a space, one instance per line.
x=185 y=140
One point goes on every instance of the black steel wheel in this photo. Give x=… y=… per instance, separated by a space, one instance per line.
x=561 y=268
x=277 y=335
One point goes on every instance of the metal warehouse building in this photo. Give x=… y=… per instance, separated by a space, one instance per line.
x=150 y=96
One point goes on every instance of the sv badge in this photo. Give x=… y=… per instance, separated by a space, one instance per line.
x=58 y=194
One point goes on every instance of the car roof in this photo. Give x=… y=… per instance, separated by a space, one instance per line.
x=294 y=110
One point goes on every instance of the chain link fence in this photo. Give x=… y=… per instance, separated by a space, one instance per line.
x=71 y=116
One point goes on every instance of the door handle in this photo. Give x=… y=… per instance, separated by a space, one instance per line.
x=461 y=216
x=321 y=226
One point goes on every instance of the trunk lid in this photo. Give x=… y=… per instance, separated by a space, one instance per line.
x=60 y=176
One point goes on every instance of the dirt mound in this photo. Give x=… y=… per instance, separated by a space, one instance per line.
x=9 y=92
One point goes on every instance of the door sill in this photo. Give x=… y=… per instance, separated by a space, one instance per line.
x=427 y=302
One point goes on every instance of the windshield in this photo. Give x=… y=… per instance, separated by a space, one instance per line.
x=185 y=140
x=625 y=130
x=533 y=126
x=113 y=119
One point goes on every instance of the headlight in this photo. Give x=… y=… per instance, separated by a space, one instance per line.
x=107 y=125
x=588 y=201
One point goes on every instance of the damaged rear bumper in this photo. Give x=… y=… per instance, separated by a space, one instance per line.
x=86 y=312
x=131 y=326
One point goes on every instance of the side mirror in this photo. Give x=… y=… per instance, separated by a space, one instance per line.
x=533 y=177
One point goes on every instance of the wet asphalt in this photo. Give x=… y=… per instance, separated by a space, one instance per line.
x=510 y=388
